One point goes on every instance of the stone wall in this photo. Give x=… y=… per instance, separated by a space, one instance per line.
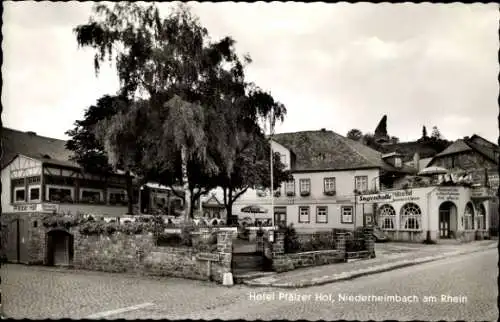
x=137 y=253
x=31 y=237
x=288 y=262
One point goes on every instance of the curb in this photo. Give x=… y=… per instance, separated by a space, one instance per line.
x=370 y=271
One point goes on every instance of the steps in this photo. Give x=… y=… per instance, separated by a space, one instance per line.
x=247 y=262
x=241 y=277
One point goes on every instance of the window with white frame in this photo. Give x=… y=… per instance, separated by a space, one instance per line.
x=19 y=194
x=304 y=215
x=290 y=188
x=468 y=221
x=60 y=194
x=117 y=197
x=305 y=186
x=283 y=159
x=346 y=215
x=361 y=183
x=481 y=217
x=329 y=185
x=88 y=195
x=322 y=214
x=34 y=193
x=411 y=217
x=386 y=217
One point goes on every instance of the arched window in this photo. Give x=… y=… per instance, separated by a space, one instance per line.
x=386 y=217
x=468 y=221
x=411 y=217
x=481 y=217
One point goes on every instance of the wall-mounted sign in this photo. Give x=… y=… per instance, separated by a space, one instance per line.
x=379 y=197
x=25 y=208
x=390 y=196
x=448 y=193
x=40 y=207
x=208 y=257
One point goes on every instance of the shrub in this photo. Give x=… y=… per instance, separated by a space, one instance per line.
x=169 y=239
x=292 y=244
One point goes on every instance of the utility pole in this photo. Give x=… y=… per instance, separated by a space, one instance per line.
x=271 y=132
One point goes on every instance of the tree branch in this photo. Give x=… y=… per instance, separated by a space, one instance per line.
x=175 y=192
x=238 y=194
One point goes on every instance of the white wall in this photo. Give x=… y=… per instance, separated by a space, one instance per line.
x=21 y=166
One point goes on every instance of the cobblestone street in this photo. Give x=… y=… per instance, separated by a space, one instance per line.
x=39 y=292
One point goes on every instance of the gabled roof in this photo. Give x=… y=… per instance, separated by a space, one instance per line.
x=456 y=147
x=475 y=143
x=327 y=150
x=32 y=145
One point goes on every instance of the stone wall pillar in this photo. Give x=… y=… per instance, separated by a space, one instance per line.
x=260 y=242
x=369 y=241
x=225 y=250
x=279 y=244
x=340 y=245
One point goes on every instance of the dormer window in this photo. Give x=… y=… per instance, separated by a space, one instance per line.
x=397 y=162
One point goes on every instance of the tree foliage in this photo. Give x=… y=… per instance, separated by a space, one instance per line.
x=191 y=118
x=355 y=134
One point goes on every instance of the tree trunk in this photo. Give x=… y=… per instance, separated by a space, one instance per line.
x=130 y=193
x=229 y=207
x=185 y=184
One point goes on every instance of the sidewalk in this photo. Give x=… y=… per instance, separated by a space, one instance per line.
x=389 y=256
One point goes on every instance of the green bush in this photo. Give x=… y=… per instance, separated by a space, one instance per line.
x=292 y=244
x=169 y=239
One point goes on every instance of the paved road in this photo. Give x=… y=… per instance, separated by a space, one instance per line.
x=34 y=292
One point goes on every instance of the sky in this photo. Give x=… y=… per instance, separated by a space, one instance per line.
x=334 y=66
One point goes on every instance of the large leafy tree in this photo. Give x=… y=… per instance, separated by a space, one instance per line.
x=195 y=112
x=355 y=134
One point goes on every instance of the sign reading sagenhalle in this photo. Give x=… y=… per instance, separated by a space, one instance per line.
x=402 y=195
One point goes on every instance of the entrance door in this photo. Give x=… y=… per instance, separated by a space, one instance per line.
x=280 y=216
x=444 y=223
x=12 y=248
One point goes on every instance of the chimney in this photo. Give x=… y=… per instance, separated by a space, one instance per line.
x=323 y=130
x=31 y=133
x=416 y=161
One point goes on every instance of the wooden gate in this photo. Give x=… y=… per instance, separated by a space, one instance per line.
x=59 y=248
x=16 y=249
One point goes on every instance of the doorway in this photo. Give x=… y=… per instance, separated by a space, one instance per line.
x=447 y=211
x=16 y=240
x=280 y=216
x=59 y=248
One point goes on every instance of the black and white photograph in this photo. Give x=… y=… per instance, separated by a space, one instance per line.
x=254 y=161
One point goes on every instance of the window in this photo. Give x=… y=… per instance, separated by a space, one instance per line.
x=19 y=194
x=361 y=183
x=468 y=221
x=386 y=217
x=322 y=214
x=290 y=188
x=346 y=215
x=397 y=162
x=117 y=197
x=411 y=216
x=91 y=196
x=305 y=187
x=34 y=193
x=283 y=159
x=481 y=216
x=329 y=185
x=59 y=194
x=304 y=215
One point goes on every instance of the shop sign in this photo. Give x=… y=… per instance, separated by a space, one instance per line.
x=49 y=207
x=379 y=197
x=25 y=208
x=448 y=193
x=390 y=196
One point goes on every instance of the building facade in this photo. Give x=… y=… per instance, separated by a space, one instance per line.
x=328 y=171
